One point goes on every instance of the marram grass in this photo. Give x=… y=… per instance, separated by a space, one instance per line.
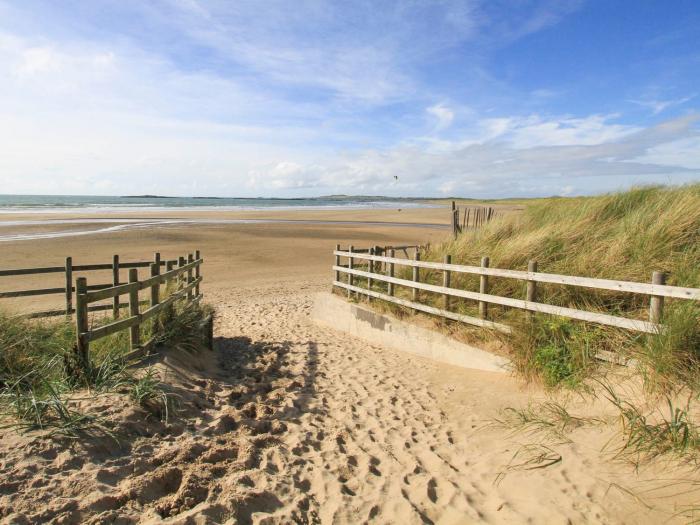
x=623 y=236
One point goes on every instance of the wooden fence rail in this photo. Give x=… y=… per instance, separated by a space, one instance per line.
x=187 y=276
x=656 y=290
x=68 y=289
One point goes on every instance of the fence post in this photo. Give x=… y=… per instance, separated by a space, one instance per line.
x=69 y=286
x=484 y=288
x=81 y=323
x=350 y=261
x=115 y=282
x=190 y=277
x=155 y=289
x=416 y=277
x=156 y=258
x=446 y=277
x=337 y=262
x=656 y=305
x=180 y=277
x=531 y=286
x=197 y=272
x=371 y=270
x=390 y=271
x=134 y=331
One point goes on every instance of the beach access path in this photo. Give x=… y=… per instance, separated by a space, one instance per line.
x=287 y=421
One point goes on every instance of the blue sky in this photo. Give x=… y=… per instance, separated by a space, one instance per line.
x=413 y=98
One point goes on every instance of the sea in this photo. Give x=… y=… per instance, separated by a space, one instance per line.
x=100 y=215
x=86 y=203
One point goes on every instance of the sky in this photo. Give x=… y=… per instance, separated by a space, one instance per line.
x=470 y=98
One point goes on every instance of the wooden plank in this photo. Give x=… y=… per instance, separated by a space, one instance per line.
x=121 y=289
x=180 y=294
x=111 y=328
x=28 y=293
x=113 y=291
x=52 y=313
x=678 y=292
x=91 y=267
x=428 y=309
x=32 y=271
x=582 y=315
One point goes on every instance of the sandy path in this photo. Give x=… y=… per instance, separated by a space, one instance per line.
x=292 y=422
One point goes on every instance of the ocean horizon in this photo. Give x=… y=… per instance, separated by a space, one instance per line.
x=65 y=203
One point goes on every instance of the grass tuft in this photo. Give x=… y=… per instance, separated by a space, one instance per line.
x=39 y=369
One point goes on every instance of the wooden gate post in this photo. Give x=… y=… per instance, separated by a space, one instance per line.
x=337 y=263
x=350 y=261
x=180 y=278
x=81 y=324
x=416 y=277
x=197 y=272
x=446 y=282
x=484 y=288
x=531 y=295
x=656 y=305
x=155 y=288
x=390 y=271
x=115 y=282
x=190 y=277
x=134 y=331
x=69 y=286
x=370 y=269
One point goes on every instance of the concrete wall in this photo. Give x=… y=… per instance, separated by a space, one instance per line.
x=385 y=330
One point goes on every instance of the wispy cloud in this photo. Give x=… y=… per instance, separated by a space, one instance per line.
x=658 y=106
x=442 y=114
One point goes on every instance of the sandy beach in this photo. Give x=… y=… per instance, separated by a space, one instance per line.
x=291 y=422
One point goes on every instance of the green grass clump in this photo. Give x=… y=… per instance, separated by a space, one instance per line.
x=39 y=368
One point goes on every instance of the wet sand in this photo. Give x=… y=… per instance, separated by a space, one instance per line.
x=235 y=254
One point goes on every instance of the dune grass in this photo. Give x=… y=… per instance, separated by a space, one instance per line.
x=623 y=236
x=39 y=368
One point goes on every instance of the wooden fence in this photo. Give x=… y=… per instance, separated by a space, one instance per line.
x=67 y=289
x=472 y=217
x=187 y=276
x=657 y=290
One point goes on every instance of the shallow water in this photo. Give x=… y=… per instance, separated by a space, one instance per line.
x=101 y=225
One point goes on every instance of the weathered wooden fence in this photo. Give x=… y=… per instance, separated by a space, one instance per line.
x=657 y=290
x=472 y=217
x=67 y=288
x=187 y=277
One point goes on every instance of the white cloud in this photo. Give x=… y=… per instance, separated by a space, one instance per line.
x=442 y=114
x=322 y=98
